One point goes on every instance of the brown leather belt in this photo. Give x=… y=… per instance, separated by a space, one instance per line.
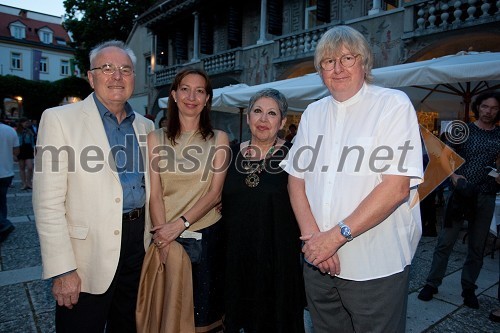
x=134 y=214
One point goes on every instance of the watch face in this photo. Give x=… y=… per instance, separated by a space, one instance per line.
x=345 y=231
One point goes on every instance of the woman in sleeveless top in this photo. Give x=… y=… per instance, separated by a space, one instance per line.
x=188 y=162
x=264 y=288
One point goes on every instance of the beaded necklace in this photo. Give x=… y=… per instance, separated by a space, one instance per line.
x=253 y=179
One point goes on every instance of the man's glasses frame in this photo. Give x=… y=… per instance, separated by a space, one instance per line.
x=110 y=69
x=347 y=61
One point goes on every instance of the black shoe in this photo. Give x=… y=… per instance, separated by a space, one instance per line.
x=427 y=293
x=470 y=299
x=4 y=234
x=494 y=317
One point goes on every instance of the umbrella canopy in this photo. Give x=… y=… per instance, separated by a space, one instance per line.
x=445 y=84
x=299 y=91
x=442 y=84
x=217 y=104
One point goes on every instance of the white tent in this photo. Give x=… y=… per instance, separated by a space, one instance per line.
x=441 y=84
x=217 y=104
x=447 y=84
x=300 y=92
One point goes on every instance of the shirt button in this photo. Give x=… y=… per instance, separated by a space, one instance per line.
x=117 y=232
x=117 y=200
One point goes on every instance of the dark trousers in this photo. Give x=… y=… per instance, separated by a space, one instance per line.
x=4 y=187
x=115 y=309
x=339 y=305
x=478 y=229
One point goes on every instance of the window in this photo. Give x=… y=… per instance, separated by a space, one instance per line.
x=311 y=18
x=45 y=34
x=43 y=65
x=64 y=67
x=148 y=68
x=46 y=37
x=16 y=61
x=18 y=30
x=60 y=41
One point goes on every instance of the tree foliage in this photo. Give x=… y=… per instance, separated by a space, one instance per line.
x=41 y=95
x=94 y=21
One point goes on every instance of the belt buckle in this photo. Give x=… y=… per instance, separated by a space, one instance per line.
x=134 y=214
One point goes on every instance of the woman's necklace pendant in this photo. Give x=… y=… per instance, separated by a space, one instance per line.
x=252 y=180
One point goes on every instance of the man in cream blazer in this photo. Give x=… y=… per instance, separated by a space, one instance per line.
x=92 y=216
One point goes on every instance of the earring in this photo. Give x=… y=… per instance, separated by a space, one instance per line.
x=175 y=100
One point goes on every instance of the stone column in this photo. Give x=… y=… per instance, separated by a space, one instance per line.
x=263 y=16
x=196 y=38
x=376 y=7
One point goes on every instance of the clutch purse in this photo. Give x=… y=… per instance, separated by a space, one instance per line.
x=191 y=242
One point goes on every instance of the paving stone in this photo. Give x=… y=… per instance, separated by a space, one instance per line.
x=23 y=323
x=40 y=292
x=45 y=322
x=21 y=258
x=14 y=303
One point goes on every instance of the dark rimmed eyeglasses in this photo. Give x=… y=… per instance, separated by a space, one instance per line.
x=110 y=69
x=347 y=60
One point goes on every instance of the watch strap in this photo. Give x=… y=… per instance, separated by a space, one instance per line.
x=186 y=222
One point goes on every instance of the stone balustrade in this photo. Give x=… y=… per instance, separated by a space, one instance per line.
x=299 y=44
x=434 y=15
x=218 y=63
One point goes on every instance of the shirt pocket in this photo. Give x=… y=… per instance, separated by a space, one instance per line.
x=356 y=156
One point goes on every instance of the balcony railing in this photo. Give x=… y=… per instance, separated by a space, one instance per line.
x=223 y=62
x=420 y=18
x=214 y=64
x=298 y=45
x=165 y=76
x=443 y=15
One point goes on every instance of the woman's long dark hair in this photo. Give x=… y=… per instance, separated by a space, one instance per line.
x=173 y=129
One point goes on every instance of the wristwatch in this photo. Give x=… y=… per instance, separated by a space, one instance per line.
x=186 y=222
x=345 y=231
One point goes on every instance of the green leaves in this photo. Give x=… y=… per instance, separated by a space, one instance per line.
x=91 y=22
x=40 y=95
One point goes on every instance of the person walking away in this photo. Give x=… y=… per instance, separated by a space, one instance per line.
x=26 y=152
x=9 y=149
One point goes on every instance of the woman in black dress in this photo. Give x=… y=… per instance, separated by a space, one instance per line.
x=264 y=289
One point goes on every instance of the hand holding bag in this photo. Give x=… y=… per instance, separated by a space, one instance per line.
x=191 y=242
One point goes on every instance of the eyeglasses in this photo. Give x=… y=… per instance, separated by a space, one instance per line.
x=347 y=60
x=110 y=69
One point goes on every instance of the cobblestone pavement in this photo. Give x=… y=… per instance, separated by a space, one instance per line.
x=26 y=303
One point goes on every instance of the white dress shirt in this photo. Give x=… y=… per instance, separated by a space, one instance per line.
x=341 y=150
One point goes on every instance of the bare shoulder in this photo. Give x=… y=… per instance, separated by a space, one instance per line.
x=221 y=137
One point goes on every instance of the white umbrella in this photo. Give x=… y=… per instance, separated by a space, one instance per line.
x=217 y=104
x=444 y=84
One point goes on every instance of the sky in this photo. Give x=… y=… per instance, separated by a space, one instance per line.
x=52 y=7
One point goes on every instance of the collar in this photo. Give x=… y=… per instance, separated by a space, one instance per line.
x=103 y=111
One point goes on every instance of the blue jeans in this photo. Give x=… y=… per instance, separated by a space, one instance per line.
x=478 y=229
x=4 y=187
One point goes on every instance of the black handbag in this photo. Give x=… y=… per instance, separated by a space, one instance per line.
x=192 y=247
